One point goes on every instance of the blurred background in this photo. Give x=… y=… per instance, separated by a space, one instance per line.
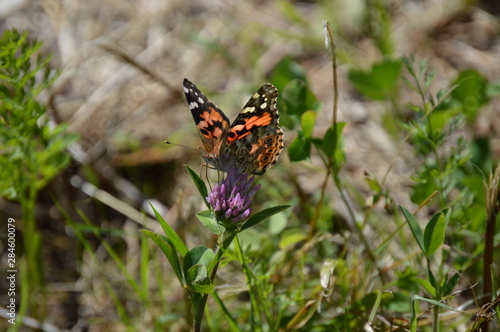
x=120 y=90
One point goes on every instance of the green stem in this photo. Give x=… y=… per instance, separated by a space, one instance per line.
x=253 y=293
x=32 y=282
x=199 y=299
x=199 y=304
x=314 y=220
x=358 y=230
x=437 y=296
x=435 y=319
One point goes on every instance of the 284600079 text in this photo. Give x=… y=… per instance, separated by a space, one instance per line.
x=11 y=270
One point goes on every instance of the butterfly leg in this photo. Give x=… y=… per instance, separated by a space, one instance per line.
x=205 y=167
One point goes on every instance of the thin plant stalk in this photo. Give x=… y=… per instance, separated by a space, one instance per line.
x=200 y=300
x=492 y=196
x=330 y=47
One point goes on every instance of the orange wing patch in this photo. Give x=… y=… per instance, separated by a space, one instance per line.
x=252 y=143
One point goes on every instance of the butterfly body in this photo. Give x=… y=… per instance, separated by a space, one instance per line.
x=252 y=143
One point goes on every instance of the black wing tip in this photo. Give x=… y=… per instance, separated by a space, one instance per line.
x=187 y=83
x=271 y=89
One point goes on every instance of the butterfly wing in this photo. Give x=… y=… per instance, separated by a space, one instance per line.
x=212 y=123
x=255 y=140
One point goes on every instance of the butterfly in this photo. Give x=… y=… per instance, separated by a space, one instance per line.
x=252 y=143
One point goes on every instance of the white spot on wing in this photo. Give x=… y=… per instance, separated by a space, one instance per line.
x=263 y=105
x=248 y=110
x=193 y=105
x=186 y=90
x=200 y=100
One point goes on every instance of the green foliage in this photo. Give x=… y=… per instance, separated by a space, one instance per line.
x=300 y=107
x=378 y=21
x=332 y=145
x=209 y=221
x=260 y=216
x=176 y=241
x=437 y=119
x=444 y=172
x=33 y=150
x=324 y=280
x=196 y=271
x=168 y=250
x=470 y=94
x=380 y=82
x=202 y=188
x=434 y=234
x=196 y=268
x=298 y=99
x=300 y=148
x=286 y=71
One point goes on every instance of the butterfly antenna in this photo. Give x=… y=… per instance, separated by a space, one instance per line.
x=199 y=150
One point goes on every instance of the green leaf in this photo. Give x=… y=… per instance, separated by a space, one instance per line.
x=210 y=222
x=231 y=322
x=262 y=215
x=197 y=273
x=476 y=185
x=200 y=282
x=380 y=82
x=285 y=71
x=333 y=142
x=176 y=241
x=432 y=280
x=426 y=284
x=471 y=92
x=450 y=284
x=197 y=256
x=414 y=227
x=300 y=148
x=202 y=188
x=373 y=183
x=298 y=99
x=375 y=306
x=434 y=232
x=205 y=287
x=291 y=237
x=168 y=250
x=277 y=224
x=442 y=305
x=221 y=250
x=438 y=121
x=415 y=298
x=399 y=303
x=307 y=121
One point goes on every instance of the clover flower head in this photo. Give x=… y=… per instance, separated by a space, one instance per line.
x=231 y=197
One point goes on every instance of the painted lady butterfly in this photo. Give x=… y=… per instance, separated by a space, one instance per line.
x=252 y=143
